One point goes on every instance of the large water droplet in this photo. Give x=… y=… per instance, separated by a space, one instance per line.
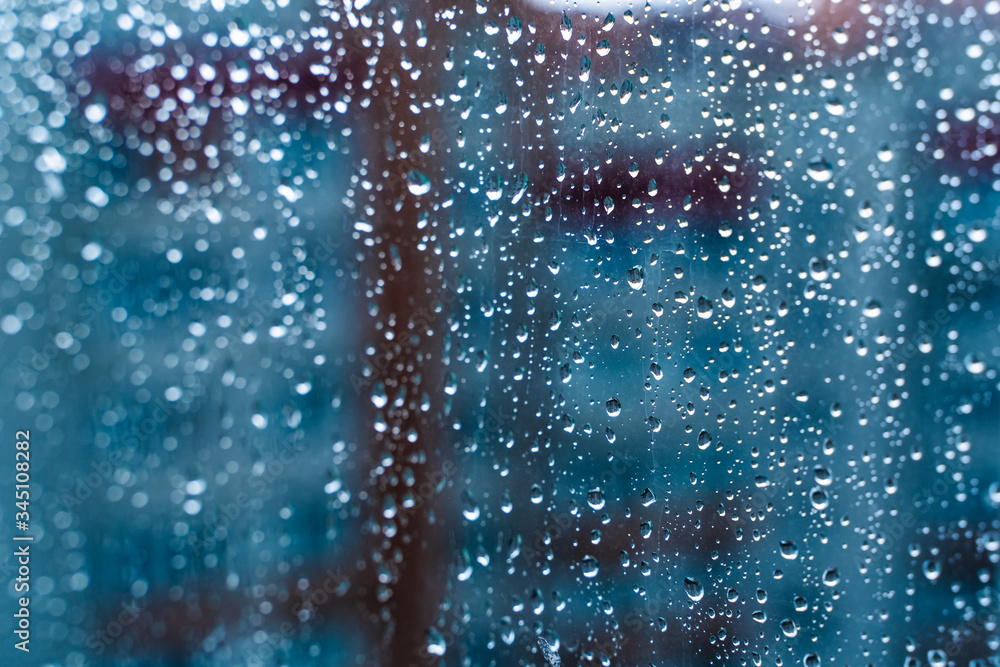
x=704 y=440
x=436 y=644
x=835 y=107
x=417 y=183
x=494 y=189
x=379 y=398
x=693 y=588
x=566 y=26
x=704 y=308
x=974 y=364
x=820 y=170
x=536 y=496
x=635 y=276
x=819 y=499
x=614 y=407
x=513 y=30
x=589 y=567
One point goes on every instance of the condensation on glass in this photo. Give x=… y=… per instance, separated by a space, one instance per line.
x=491 y=333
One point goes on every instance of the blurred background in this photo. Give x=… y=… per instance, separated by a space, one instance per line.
x=526 y=333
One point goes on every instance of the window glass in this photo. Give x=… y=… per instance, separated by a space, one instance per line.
x=485 y=333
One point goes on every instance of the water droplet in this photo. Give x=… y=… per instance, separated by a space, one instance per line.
x=704 y=440
x=589 y=567
x=704 y=308
x=417 y=183
x=614 y=407
x=635 y=277
x=820 y=170
x=595 y=498
x=974 y=364
x=494 y=189
x=513 y=30
x=379 y=398
x=536 y=495
x=817 y=269
x=694 y=589
x=566 y=26
x=389 y=508
x=819 y=499
x=626 y=92
x=835 y=107
x=506 y=504
x=470 y=510
x=537 y=602
x=872 y=308
x=436 y=644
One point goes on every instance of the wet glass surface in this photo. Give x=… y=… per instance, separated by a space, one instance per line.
x=526 y=333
